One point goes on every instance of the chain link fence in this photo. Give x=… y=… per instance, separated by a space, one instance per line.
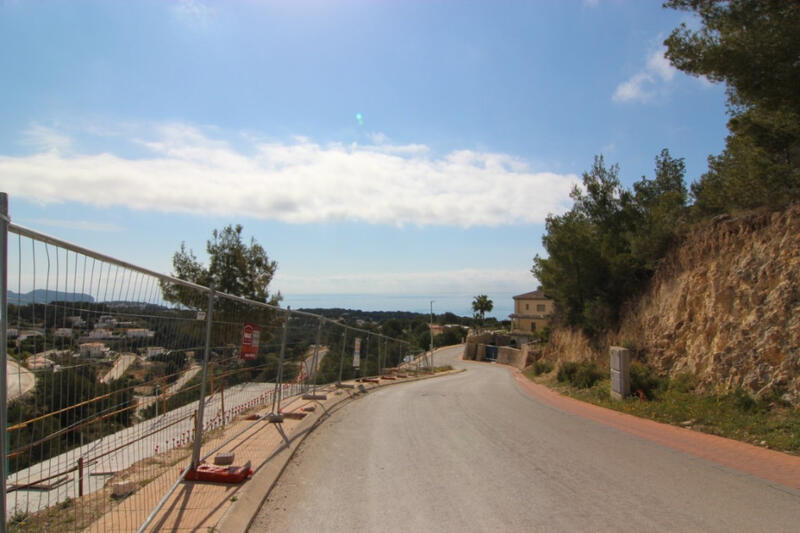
x=114 y=394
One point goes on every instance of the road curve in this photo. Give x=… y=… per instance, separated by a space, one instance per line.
x=472 y=452
x=19 y=380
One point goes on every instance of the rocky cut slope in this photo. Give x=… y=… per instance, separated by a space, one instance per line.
x=725 y=306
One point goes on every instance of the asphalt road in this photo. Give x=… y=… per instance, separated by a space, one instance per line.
x=120 y=366
x=472 y=452
x=19 y=380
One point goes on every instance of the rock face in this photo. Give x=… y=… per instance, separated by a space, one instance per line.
x=725 y=306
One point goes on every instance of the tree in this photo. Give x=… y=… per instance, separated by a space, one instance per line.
x=752 y=46
x=481 y=304
x=235 y=268
x=602 y=250
x=660 y=206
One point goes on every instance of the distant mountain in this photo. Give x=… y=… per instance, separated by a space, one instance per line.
x=41 y=296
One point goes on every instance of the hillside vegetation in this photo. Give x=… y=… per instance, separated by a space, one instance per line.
x=699 y=280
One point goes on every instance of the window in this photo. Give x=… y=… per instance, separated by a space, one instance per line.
x=533 y=326
x=527 y=306
x=540 y=308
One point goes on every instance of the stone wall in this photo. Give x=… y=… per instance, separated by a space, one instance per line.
x=511 y=356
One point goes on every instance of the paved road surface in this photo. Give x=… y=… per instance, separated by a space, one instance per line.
x=471 y=452
x=120 y=366
x=19 y=379
x=146 y=401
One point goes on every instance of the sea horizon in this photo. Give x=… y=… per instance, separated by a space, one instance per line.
x=459 y=304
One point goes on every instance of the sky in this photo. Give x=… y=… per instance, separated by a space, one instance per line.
x=384 y=153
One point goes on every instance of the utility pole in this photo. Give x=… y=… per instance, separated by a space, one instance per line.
x=431 y=332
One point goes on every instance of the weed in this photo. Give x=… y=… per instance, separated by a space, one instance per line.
x=581 y=375
x=542 y=367
x=644 y=381
x=567 y=371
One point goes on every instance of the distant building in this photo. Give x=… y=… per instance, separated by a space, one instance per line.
x=139 y=333
x=436 y=329
x=100 y=333
x=106 y=321
x=38 y=362
x=76 y=321
x=532 y=311
x=93 y=349
x=63 y=332
x=152 y=351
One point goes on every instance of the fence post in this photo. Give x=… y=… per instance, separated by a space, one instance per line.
x=222 y=401
x=4 y=220
x=276 y=396
x=80 y=476
x=198 y=432
x=341 y=359
x=315 y=359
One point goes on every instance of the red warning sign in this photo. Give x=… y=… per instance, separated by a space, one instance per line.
x=251 y=336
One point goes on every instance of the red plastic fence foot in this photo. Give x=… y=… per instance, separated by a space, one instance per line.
x=220 y=474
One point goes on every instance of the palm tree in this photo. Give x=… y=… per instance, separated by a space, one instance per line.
x=481 y=305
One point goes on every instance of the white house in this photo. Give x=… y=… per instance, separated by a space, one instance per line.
x=93 y=349
x=152 y=351
x=63 y=332
x=100 y=333
x=139 y=333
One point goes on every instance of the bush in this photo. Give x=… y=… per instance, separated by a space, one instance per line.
x=567 y=371
x=581 y=375
x=742 y=401
x=683 y=383
x=542 y=367
x=587 y=375
x=644 y=380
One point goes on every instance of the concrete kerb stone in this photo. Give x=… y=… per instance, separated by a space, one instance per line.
x=257 y=489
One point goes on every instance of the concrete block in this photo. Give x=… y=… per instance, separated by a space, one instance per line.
x=309 y=396
x=123 y=488
x=620 y=372
x=224 y=459
x=620 y=358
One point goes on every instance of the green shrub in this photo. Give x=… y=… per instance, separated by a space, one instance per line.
x=683 y=383
x=587 y=375
x=644 y=381
x=542 y=367
x=567 y=371
x=581 y=375
x=742 y=401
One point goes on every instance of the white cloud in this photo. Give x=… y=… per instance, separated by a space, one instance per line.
x=658 y=64
x=647 y=84
x=186 y=171
x=83 y=225
x=464 y=281
x=46 y=139
x=193 y=12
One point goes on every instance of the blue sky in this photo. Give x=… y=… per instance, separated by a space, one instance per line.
x=385 y=153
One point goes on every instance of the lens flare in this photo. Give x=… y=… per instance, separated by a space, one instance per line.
x=360 y=119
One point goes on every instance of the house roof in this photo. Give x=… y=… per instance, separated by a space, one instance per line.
x=538 y=294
